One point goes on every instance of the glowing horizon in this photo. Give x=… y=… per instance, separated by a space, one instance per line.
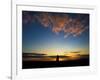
x=55 y=33
x=60 y=52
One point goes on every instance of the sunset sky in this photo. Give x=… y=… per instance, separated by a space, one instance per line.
x=55 y=33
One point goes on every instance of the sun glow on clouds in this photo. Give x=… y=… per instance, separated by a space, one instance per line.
x=58 y=23
x=51 y=52
x=50 y=55
x=61 y=52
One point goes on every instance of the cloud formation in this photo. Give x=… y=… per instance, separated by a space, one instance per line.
x=65 y=23
x=76 y=52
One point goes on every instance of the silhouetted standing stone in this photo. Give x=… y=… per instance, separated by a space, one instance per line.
x=57 y=58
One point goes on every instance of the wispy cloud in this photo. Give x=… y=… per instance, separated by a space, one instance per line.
x=76 y=52
x=58 y=23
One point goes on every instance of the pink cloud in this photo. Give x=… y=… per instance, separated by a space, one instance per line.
x=59 y=23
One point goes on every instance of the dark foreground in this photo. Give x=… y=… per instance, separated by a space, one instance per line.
x=47 y=64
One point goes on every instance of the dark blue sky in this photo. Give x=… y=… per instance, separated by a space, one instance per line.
x=36 y=36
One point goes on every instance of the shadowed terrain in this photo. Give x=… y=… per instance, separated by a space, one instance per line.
x=53 y=61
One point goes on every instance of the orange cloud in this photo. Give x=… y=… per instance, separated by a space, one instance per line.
x=58 y=23
x=43 y=18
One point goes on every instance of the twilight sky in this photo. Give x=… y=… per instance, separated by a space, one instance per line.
x=55 y=33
